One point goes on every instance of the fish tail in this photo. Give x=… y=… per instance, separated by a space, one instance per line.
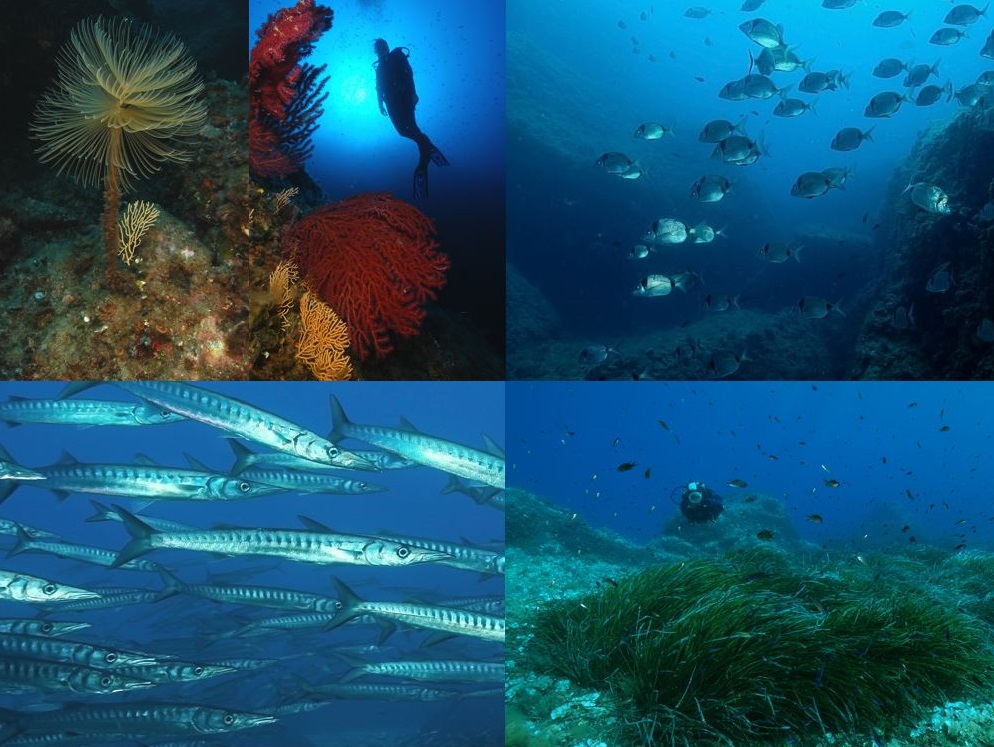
x=455 y=485
x=357 y=665
x=142 y=535
x=23 y=542
x=349 y=600
x=102 y=513
x=172 y=585
x=339 y=420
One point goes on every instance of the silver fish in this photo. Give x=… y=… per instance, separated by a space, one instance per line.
x=750 y=5
x=779 y=251
x=810 y=184
x=443 y=619
x=292 y=544
x=19 y=410
x=964 y=15
x=988 y=48
x=702 y=233
x=20 y=587
x=669 y=231
x=710 y=188
x=139 y=481
x=946 y=37
x=888 y=19
x=838 y=176
x=639 y=251
x=652 y=131
x=928 y=95
x=430 y=671
x=614 y=163
x=793 y=108
x=764 y=33
x=651 y=286
x=723 y=365
x=941 y=279
x=174 y=671
x=69 y=652
x=72 y=551
x=903 y=318
x=56 y=677
x=697 y=12
x=423 y=449
x=929 y=198
x=885 y=104
x=380 y=460
x=595 y=354
x=40 y=627
x=850 y=138
x=718 y=129
x=256 y=596
x=105 y=513
x=920 y=73
x=242 y=419
x=720 y=303
x=813 y=307
x=889 y=68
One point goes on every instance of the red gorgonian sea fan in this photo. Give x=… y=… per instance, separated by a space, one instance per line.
x=285 y=96
x=373 y=259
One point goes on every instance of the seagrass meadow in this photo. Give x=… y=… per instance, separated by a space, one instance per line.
x=741 y=642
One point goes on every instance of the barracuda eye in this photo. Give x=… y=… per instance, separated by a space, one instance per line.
x=403 y=552
x=333 y=452
x=106 y=681
x=244 y=487
x=46 y=627
x=110 y=658
x=228 y=719
x=49 y=588
x=198 y=671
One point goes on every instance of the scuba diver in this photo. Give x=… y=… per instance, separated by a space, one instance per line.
x=700 y=504
x=395 y=89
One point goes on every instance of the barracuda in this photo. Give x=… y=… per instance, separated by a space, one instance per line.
x=430 y=671
x=10 y=527
x=245 y=458
x=242 y=419
x=20 y=587
x=292 y=544
x=294 y=622
x=141 y=481
x=174 y=671
x=301 y=482
x=71 y=551
x=69 y=652
x=11 y=471
x=259 y=596
x=30 y=675
x=429 y=451
x=18 y=410
x=148 y=719
x=380 y=692
x=442 y=619
x=466 y=557
x=40 y=627
x=106 y=600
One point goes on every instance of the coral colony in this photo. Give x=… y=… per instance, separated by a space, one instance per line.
x=286 y=95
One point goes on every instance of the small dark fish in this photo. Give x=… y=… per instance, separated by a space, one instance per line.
x=737 y=483
x=765 y=534
x=615 y=442
x=625 y=466
x=663 y=424
x=610 y=581
x=943 y=429
x=912 y=539
x=961 y=522
x=905 y=529
x=750 y=499
x=622 y=25
x=911 y=496
x=832 y=483
x=912 y=404
x=648 y=472
x=960 y=546
x=875 y=226
x=814 y=518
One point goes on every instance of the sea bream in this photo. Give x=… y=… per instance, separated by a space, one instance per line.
x=718 y=129
x=929 y=198
x=652 y=131
x=813 y=307
x=850 y=138
x=668 y=231
x=430 y=451
x=888 y=19
x=889 y=68
x=920 y=73
x=946 y=37
x=764 y=33
x=964 y=15
x=928 y=95
x=885 y=104
x=710 y=188
x=810 y=184
x=651 y=286
x=779 y=252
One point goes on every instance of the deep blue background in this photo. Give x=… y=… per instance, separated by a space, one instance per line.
x=563 y=448
x=456 y=411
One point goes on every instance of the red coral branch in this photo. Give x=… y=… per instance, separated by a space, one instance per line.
x=285 y=96
x=372 y=258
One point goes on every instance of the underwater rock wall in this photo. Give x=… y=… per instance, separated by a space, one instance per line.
x=941 y=342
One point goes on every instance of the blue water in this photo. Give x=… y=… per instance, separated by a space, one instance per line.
x=582 y=87
x=190 y=627
x=878 y=440
x=457 y=55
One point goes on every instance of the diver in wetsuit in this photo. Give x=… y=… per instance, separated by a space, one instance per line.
x=395 y=89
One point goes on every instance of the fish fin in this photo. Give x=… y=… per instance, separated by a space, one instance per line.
x=455 y=485
x=142 y=535
x=796 y=253
x=61 y=495
x=838 y=308
x=350 y=602
x=67 y=459
x=171 y=585
x=407 y=425
x=74 y=388
x=195 y=463
x=436 y=637
x=339 y=420
x=353 y=674
x=314 y=525
x=13 y=423
x=144 y=460
x=493 y=447
x=6 y=488
x=244 y=456
x=102 y=512
x=23 y=542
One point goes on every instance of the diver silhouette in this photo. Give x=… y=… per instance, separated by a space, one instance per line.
x=395 y=89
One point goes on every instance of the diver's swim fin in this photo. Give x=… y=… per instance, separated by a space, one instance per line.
x=437 y=158
x=420 y=183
